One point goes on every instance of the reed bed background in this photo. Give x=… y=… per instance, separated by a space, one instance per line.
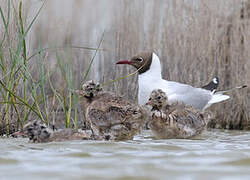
x=49 y=48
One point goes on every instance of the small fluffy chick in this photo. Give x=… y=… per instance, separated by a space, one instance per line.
x=38 y=132
x=173 y=121
x=109 y=116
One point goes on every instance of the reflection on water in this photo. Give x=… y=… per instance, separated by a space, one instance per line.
x=214 y=155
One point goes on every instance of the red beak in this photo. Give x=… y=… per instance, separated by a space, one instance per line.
x=124 y=62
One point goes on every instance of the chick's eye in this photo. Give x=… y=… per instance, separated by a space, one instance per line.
x=150 y=99
x=159 y=97
x=45 y=132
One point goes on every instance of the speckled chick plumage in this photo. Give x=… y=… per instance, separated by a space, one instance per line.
x=38 y=132
x=109 y=116
x=173 y=121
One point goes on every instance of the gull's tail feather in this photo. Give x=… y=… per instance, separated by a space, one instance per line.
x=219 y=96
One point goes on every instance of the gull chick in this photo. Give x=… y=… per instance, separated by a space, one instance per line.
x=38 y=132
x=109 y=116
x=173 y=121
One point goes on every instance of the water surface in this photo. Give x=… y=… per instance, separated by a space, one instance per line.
x=214 y=155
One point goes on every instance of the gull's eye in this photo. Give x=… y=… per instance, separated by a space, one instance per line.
x=140 y=59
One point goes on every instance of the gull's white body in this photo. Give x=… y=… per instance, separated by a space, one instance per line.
x=152 y=79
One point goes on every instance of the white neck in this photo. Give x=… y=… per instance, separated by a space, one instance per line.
x=149 y=80
x=155 y=68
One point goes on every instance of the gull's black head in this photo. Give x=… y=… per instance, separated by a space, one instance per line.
x=140 y=61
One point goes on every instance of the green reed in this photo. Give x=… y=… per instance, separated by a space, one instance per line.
x=21 y=93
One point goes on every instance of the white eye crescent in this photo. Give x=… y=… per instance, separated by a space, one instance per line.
x=140 y=59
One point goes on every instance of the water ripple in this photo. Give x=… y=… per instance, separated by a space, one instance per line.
x=214 y=155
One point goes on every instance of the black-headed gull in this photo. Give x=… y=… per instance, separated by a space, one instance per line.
x=213 y=85
x=150 y=78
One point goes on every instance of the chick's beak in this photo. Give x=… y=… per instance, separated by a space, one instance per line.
x=80 y=93
x=149 y=103
x=18 y=133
